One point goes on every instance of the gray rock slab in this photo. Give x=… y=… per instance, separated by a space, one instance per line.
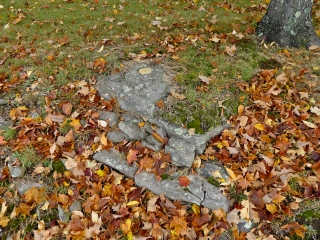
x=134 y=91
x=110 y=117
x=16 y=172
x=22 y=187
x=114 y=159
x=182 y=153
x=198 y=191
x=116 y=136
x=132 y=130
x=208 y=167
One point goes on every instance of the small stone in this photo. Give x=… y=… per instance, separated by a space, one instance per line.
x=116 y=160
x=4 y=124
x=244 y=226
x=63 y=215
x=3 y=101
x=22 y=187
x=132 y=130
x=208 y=167
x=16 y=172
x=116 y=136
x=110 y=117
x=75 y=206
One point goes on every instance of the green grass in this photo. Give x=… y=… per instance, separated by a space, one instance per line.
x=28 y=157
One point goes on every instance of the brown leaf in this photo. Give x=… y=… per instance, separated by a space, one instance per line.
x=231 y=51
x=63 y=41
x=67 y=108
x=132 y=155
x=205 y=79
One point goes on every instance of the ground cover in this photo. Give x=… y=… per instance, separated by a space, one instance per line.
x=53 y=52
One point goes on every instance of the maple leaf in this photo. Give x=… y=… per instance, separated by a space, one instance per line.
x=184 y=181
x=132 y=155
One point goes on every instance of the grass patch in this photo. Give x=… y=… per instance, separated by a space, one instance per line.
x=28 y=157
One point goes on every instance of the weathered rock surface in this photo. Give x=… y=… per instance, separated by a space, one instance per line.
x=132 y=130
x=115 y=160
x=137 y=92
x=182 y=152
x=199 y=191
x=208 y=167
x=134 y=91
x=116 y=136
x=15 y=171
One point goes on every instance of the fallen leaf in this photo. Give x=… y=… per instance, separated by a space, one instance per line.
x=315 y=110
x=204 y=79
x=151 y=204
x=132 y=156
x=177 y=95
x=233 y=217
x=63 y=41
x=145 y=71
x=184 y=181
x=231 y=50
x=2 y=141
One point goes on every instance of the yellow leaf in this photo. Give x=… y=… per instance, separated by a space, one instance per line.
x=75 y=124
x=103 y=139
x=129 y=236
x=240 y=109
x=4 y=221
x=100 y=173
x=196 y=209
x=141 y=124
x=271 y=207
x=231 y=174
x=132 y=203
x=219 y=145
x=259 y=126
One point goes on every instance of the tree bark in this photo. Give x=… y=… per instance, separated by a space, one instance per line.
x=288 y=23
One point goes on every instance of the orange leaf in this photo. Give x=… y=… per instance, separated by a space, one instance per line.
x=132 y=155
x=63 y=41
x=2 y=141
x=184 y=181
x=158 y=137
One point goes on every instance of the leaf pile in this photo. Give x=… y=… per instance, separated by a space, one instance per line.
x=273 y=143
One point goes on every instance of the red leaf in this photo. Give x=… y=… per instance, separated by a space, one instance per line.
x=184 y=181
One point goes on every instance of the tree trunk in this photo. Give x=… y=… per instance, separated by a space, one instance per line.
x=288 y=23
